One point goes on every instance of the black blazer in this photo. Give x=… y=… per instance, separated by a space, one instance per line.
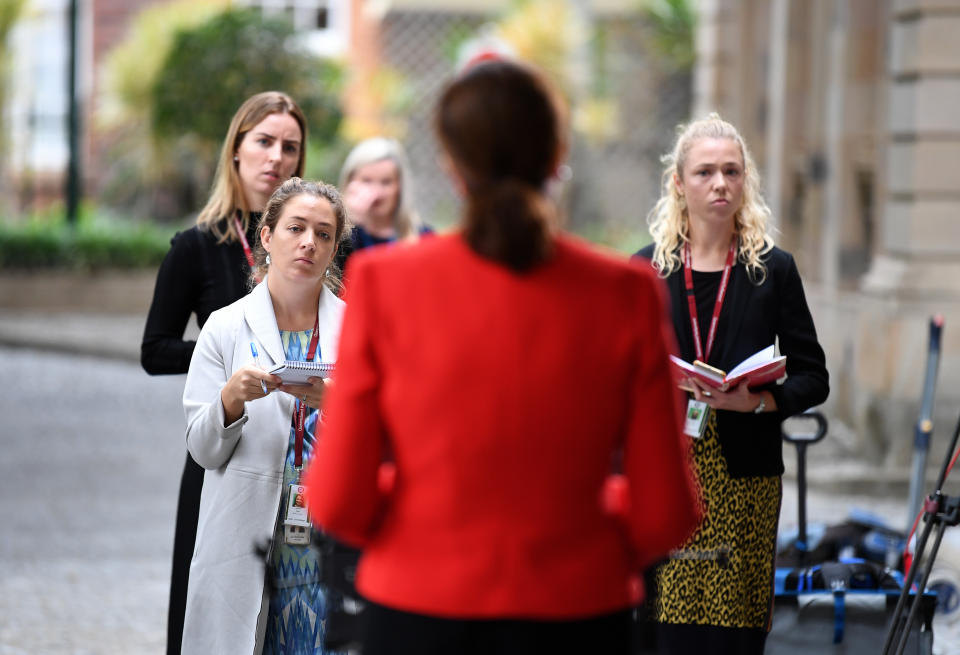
x=197 y=276
x=752 y=317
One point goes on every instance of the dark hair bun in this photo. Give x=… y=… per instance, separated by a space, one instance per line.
x=501 y=125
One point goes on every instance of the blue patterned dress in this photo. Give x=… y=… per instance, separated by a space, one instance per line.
x=298 y=608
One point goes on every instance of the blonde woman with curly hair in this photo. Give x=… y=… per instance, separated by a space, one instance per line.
x=733 y=294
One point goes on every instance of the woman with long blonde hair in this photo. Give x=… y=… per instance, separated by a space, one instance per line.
x=208 y=267
x=733 y=294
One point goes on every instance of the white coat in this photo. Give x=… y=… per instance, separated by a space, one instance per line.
x=226 y=608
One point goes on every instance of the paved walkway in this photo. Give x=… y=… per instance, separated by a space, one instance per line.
x=116 y=336
x=93 y=449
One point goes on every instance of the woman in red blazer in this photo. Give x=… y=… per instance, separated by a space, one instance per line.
x=507 y=370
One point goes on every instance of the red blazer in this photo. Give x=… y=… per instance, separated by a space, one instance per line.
x=505 y=401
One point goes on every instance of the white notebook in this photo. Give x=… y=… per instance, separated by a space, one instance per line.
x=293 y=372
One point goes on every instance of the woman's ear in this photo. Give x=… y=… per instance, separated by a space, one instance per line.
x=678 y=184
x=265 y=236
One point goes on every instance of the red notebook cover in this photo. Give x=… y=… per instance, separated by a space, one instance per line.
x=758 y=369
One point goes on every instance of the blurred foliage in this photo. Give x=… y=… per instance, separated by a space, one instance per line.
x=131 y=68
x=97 y=241
x=548 y=34
x=559 y=41
x=244 y=54
x=145 y=176
x=324 y=160
x=10 y=11
x=389 y=98
x=167 y=128
x=671 y=36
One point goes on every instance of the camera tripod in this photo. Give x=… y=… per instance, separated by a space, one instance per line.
x=939 y=512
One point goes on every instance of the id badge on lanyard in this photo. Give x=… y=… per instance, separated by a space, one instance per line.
x=296 y=520
x=695 y=420
x=698 y=411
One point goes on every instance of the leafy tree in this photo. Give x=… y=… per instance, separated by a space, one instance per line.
x=213 y=68
x=167 y=124
x=9 y=13
x=132 y=66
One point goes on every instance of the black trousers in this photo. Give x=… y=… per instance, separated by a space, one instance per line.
x=388 y=631
x=709 y=640
x=184 y=538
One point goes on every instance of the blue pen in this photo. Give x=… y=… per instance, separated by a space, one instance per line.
x=256 y=359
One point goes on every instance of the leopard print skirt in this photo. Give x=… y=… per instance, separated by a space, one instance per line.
x=723 y=575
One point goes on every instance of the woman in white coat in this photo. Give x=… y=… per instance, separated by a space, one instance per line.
x=242 y=427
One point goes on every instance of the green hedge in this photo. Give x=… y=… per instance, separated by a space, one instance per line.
x=94 y=243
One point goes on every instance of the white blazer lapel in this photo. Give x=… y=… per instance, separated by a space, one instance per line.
x=330 y=314
x=258 y=312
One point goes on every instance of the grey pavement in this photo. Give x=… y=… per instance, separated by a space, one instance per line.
x=92 y=454
x=115 y=336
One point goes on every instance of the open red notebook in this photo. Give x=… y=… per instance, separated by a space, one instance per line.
x=758 y=369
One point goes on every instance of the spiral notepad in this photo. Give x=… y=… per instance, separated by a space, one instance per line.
x=295 y=372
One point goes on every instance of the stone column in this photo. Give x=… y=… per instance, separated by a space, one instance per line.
x=716 y=78
x=777 y=86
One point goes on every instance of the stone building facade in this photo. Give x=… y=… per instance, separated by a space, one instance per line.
x=852 y=109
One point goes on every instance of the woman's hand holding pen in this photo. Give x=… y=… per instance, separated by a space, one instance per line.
x=310 y=394
x=735 y=399
x=247 y=383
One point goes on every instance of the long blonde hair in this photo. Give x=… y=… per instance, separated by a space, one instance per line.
x=670 y=223
x=370 y=151
x=227 y=197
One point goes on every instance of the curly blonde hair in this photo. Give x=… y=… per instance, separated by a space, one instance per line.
x=670 y=224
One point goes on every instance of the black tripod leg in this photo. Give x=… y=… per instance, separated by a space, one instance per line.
x=943 y=511
x=896 y=621
x=941 y=527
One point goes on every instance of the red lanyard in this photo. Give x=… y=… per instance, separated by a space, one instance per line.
x=246 y=245
x=692 y=301
x=301 y=412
